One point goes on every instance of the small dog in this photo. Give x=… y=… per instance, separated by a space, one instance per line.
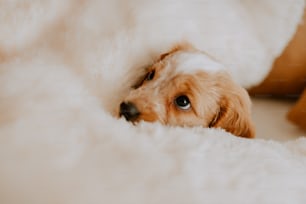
x=187 y=87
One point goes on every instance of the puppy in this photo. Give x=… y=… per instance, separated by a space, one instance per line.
x=186 y=87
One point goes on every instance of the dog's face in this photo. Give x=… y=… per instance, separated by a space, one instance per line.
x=185 y=87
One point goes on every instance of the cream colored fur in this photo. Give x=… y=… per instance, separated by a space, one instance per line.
x=66 y=65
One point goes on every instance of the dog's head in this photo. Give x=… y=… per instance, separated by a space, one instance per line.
x=186 y=87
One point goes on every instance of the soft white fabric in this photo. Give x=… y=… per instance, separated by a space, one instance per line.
x=65 y=66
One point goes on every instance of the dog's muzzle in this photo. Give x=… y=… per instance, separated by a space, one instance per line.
x=129 y=111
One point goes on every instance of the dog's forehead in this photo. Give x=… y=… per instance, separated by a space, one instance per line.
x=192 y=62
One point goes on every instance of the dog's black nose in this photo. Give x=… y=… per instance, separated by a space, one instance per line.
x=129 y=111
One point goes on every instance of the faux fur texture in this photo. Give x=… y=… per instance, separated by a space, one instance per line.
x=66 y=65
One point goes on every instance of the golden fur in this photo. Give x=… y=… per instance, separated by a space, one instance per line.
x=216 y=101
x=288 y=76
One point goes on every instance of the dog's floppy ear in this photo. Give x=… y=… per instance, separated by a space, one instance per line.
x=234 y=116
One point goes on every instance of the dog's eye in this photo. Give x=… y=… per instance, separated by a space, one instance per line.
x=182 y=102
x=150 y=75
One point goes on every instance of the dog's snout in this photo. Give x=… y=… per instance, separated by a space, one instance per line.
x=129 y=111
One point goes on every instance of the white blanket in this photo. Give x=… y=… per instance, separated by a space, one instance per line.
x=66 y=65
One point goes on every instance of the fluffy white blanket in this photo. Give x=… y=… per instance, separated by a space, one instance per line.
x=65 y=66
